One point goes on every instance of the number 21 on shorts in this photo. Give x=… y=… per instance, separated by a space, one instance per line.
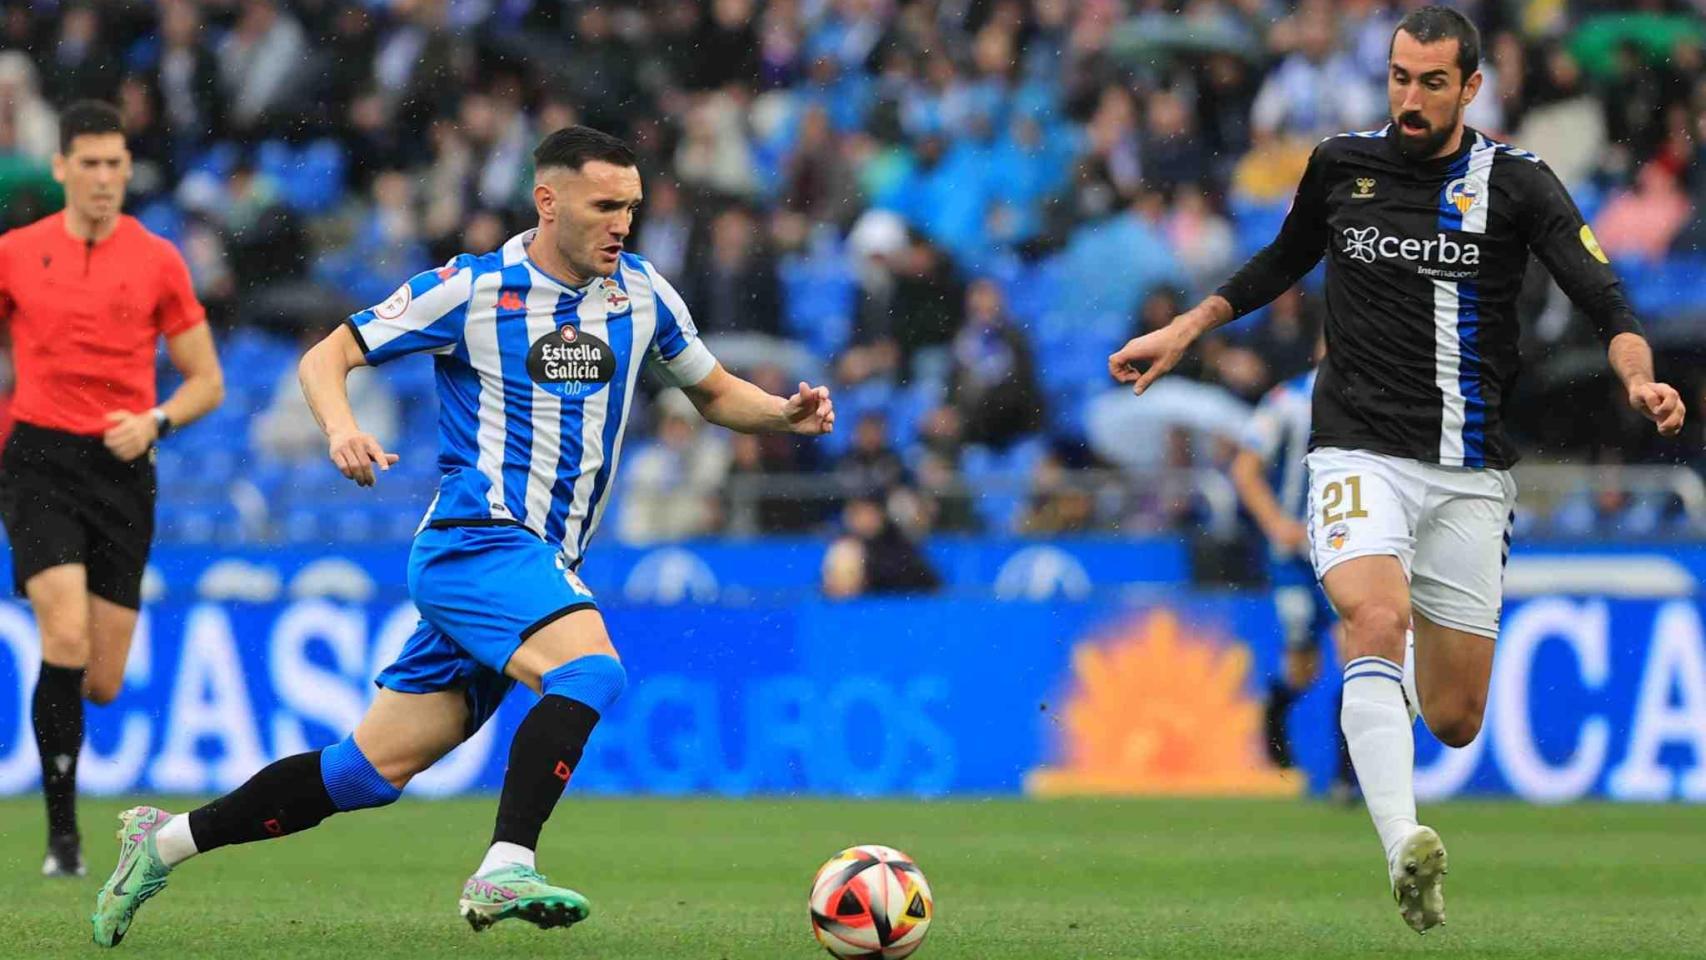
x=1333 y=497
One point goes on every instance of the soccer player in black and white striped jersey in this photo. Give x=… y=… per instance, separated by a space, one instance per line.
x=1427 y=226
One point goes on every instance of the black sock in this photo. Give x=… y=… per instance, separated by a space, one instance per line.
x=1280 y=699
x=58 y=715
x=286 y=797
x=546 y=748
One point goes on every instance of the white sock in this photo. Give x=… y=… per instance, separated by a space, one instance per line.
x=1382 y=744
x=174 y=841
x=1412 y=699
x=504 y=854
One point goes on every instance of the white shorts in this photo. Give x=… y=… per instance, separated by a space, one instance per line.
x=1449 y=526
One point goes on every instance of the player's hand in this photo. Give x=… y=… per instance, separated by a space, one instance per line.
x=1144 y=359
x=1660 y=403
x=129 y=435
x=810 y=411
x=1289 y=537
x=356 y=453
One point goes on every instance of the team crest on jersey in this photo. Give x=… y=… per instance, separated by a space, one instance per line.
x=570 y=577
x=615 y=298
x=395 y=304
x=571 y=363
x=1337 y=534
x=1462 y=194
x=1364 y=189
x=576 y=582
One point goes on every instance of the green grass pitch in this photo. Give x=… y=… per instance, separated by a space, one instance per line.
x=708 y=879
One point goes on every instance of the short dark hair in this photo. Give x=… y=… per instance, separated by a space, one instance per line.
x=87 y=117
x=1433 y=23
x=573 y=147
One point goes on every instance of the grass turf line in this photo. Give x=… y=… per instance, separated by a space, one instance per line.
x=709 y=879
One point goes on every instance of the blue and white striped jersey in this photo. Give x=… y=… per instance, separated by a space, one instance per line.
x=1278 y=432
x=535 y=380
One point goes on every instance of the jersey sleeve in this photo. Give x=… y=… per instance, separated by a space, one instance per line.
x=178 y=308
x=1554 y=229
x=426 y=314
x=1265 y=429
x=676 y=351
x=1301 y=243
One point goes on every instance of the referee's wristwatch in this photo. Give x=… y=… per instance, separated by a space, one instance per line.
x=162 y=423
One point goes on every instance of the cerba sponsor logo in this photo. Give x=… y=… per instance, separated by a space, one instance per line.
x=1371 y=244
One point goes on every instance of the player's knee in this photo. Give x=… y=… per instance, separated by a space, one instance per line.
x=1456 y=731
x=1456 y=723
x=596 y=680
x=66 y=644
x=351 y=779
x=1376 y=628
x=101 y=691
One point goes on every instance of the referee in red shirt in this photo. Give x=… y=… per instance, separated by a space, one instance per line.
x=85 y=294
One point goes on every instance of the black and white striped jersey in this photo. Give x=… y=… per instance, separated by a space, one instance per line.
x=1424 y=263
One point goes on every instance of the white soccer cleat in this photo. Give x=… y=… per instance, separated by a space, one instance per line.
x=1418 y=875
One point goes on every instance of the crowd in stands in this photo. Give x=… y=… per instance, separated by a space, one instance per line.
x=949 y=211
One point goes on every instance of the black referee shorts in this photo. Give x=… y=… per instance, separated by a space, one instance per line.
x=66 y=499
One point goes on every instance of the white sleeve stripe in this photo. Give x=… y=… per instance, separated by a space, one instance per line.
x=691 y=365
x=483 y=356
x=422 y=312
x=671 y=301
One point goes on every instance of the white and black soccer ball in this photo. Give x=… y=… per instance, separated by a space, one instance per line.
x=871 y=902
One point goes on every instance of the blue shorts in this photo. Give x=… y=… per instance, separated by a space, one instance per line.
x=481 y=592
x=1304 y=613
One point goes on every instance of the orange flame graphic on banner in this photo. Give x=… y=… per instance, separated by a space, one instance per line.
x=1157 y=710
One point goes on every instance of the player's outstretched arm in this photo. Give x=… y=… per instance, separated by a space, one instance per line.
x=323 y=372
x=1632 y=358
x=1301 y=243
x=729 y=401
x=1143 y=360
x=1565 y=244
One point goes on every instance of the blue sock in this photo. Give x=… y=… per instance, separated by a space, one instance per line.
x=595 y=680
x=350 y=779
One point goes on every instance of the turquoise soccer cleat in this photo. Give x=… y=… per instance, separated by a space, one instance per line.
x=140 y=874
x=518 y=891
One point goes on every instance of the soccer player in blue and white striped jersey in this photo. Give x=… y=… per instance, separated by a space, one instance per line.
x=538 y=348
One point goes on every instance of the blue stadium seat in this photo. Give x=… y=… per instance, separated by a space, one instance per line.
x=851 y=404
x=317 y=183
x=1255 y=223
x=219 y=159
x=999 y=503
x=197 y=522
x=164 y=218
x=311 y=179
x=819 y=298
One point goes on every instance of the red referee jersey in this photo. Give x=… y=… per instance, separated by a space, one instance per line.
x=85 y=319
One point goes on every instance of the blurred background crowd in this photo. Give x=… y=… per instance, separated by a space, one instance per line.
x=950 y=211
